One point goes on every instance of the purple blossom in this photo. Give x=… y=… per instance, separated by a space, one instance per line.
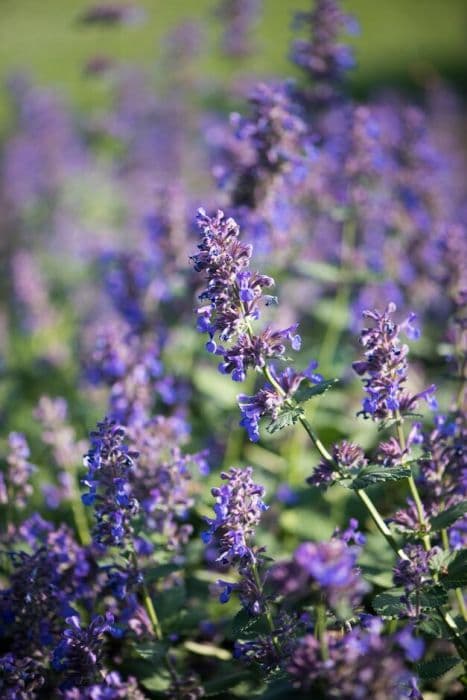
x=385 y=367
x=43 y=588
x=111 y=688
x=162 y=476
x=110 y=464
x=20 y=678
x=269 y=401
x=324 y=60
x=234 y=295
x=238 y=510
x=348 y=459
x=78 y=654
x=17 y=487
x=413 y=572
x=325 y=568
x=238 y=18
x=362 y=663
x=66 y=449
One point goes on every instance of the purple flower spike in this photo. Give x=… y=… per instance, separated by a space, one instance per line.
x=110 y=464
x=238 y=510
x=384 y=369
x=234 y=295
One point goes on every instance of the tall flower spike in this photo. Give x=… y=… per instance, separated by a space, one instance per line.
x=79 y=651
x=110 y=463
x=233 y=295
x=17 y=487
x=321 y=56
x=385 y=366
x=238 y=510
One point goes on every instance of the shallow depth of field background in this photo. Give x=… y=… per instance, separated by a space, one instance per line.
x=401 y=41
x=402 y=44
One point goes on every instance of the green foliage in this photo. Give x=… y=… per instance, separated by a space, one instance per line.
x=456 y=576
x=285 y=419
x=373 y=474
x=309 y=391
x=244 y=626
x=448 y=517
x=390 y=603
x=437 y=667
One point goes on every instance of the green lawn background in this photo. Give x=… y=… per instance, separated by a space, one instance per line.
x=402 y=41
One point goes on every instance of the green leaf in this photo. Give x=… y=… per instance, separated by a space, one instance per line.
x=151 y=651
x=288 y=417
x=154 y=573
x=456 y=576
x=373 y=474
x=309 y=391
x=389 y=604
x=437 y=666
x=170 y=603
x=206 y=649
x=225 y=682
x=433 y=626
x=159 y=681
x=448 y=517
x=244 y=626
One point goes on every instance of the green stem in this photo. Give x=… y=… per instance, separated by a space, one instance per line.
x=458 y=591
x=461 y=602
x=147 y=600
x=380 y=524
x=383 y=528
x=267 y=610
x=320 y=630
x=412 y=485
x=81 y=521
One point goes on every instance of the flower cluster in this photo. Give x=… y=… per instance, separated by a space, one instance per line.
x=324 y=569
x=348 y=459
x=362 y=663
x=78 y=654
x=234 y=295
x=110 y=463
x=238 y=19
x=385 y=367
x=273 y=396
x=324 y=60
x=16 y=487
x=238 y=510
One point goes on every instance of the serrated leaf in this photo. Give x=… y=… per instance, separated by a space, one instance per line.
x=373 y=474
x=433 y=626
x=448 y=517
x=437 y=667
x=389 y=603
x=288 y=417
x=151 y=651
x=309 y=391
x=456 y=576
x=244 y=626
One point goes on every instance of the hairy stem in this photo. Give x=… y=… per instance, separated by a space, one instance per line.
x=267 y=610
x=320 y=630
x=412 y=485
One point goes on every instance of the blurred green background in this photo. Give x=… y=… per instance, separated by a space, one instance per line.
x=402 y=41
